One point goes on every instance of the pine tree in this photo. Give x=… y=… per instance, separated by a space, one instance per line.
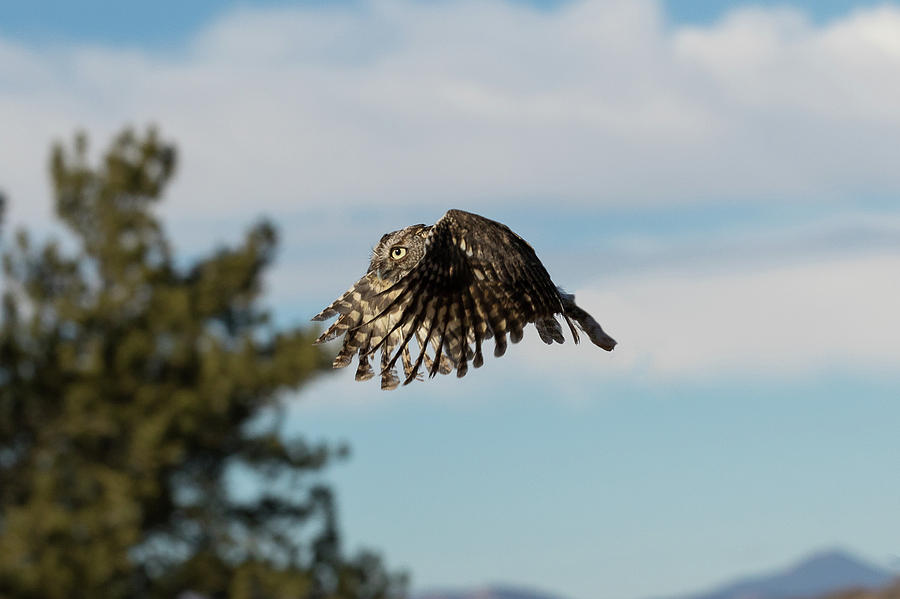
x=132 y=387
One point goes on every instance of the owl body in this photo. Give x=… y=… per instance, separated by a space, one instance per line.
x=433 y=294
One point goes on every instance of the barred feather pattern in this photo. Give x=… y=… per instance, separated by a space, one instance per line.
x=434 y=294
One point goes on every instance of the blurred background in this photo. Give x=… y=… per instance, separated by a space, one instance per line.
x=716 y=181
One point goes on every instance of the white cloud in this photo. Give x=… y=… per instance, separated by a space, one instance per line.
x=775 y=321
x=395 y=102
x=777 y=59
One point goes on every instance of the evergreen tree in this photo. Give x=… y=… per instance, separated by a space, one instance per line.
x=132 y=387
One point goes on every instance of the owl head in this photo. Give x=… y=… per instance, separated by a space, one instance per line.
x=397 y=252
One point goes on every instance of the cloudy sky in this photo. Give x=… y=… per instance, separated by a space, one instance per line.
x=717 y=181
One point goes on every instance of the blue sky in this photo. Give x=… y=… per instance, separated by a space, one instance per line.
x=716 y=181
x=153 y=23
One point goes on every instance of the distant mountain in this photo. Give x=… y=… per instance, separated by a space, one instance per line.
x=493 y=592
x=891 y=592
x=818 y=576
x=815 y=576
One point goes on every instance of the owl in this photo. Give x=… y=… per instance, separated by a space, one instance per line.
x=434 y=294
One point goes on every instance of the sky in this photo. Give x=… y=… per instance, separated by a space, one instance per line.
x=716 y=181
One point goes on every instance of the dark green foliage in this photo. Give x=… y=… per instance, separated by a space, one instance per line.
x=131 y=388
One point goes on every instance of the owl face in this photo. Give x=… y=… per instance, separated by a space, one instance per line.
x=398 y=252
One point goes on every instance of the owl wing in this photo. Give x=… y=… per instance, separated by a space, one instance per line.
x=476 y=280
x=356 y=310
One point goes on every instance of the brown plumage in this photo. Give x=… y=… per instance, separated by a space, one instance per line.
x=449 y=286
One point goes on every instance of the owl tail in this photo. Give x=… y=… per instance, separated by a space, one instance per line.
x=586 y=323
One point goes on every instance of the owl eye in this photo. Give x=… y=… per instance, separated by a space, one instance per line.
x=398 y=252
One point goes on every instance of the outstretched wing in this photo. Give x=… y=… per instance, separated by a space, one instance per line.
x=476 y=280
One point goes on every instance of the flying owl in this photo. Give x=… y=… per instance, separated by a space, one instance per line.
x=450 y=286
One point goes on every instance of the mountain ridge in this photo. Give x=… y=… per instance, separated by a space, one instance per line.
x=814 y=576
x=489 y=592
